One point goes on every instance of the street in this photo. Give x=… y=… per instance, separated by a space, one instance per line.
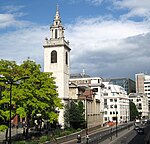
x=134 y=138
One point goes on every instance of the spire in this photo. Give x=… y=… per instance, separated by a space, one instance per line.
x=57 y=30
x=57 y=7
x=57 y=17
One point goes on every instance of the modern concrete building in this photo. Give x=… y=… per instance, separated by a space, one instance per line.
x=143 y=85
x=57 y=60
x=139 y=78
x=116 y=103
x=141 y=102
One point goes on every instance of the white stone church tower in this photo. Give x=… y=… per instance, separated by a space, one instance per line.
x=57 y=60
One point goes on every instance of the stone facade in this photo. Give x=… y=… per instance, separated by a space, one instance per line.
x=57 y=60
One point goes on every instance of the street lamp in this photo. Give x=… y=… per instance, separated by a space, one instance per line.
x=116 y=124
x=11 y=81
x=116 y=120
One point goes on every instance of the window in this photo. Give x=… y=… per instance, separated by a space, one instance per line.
x=113 y=112
x=55 y=33
x=110 y=112
x=111 y=106
x=111 y=100
x=105 y=118
x=66 y=58
x=105 y=106
x=53 y=56
x=105 y=112
x=115 y=106
x=115 y=100
x=95 y=89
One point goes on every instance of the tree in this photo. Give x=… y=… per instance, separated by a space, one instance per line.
x=133 y=111
x=36 y=95
x=75 y=114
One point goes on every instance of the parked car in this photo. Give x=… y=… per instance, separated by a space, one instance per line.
x=140 y=130
x=136 y=127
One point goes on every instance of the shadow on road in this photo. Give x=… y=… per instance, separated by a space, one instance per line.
x=142 y=138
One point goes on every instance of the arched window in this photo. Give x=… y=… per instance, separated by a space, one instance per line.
x=53 y=56
x=66 y=58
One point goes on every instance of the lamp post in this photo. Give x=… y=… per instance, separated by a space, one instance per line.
x=116 y=124
x=11 y=81
x=116 y=121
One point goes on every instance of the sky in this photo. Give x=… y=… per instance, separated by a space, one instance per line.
x=108 y=38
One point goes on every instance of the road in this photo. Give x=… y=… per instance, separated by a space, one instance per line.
x=102 y=136
x=134 y=138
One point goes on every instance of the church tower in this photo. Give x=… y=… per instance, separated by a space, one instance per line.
x=57 y=59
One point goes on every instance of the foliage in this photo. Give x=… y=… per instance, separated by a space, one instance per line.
x=35 y=95
x=75 y=115
x=43 y=139
x=3 y=127
x=133 y=111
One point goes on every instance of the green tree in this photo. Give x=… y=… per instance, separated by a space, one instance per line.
x=133 y=111
x=36 y=95
x=75 y=114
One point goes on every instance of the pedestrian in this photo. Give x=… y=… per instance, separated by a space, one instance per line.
x=78 y=138
x=87 y=138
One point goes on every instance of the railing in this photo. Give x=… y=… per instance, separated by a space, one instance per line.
x=107 y=135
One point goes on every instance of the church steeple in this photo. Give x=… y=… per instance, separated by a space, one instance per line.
x=57 y=17
x=57 y=60
x=57 y=30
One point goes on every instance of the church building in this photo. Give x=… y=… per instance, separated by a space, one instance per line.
x=57 y=60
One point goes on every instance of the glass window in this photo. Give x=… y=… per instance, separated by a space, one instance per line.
x=110 y=112
x=53 y=56
x=66 y=58
x=111 y=100
x=55 y=33
x=96 y=90
x=111 y=106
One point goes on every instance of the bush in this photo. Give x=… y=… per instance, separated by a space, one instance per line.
x=43 y=139
x=3 y=128
x=25 y=142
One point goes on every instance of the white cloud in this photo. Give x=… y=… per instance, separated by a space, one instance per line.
x=24 y=43
x=102 y=46
x=12 y=8
x=135 y=7
x=95 y=2
x=108 y=46
x=9 y=20
x=10 y=17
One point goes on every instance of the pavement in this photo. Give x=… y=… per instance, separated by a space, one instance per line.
x=114 y=139
x=14 y=132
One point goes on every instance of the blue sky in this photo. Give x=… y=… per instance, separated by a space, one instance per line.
x=108 y=38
